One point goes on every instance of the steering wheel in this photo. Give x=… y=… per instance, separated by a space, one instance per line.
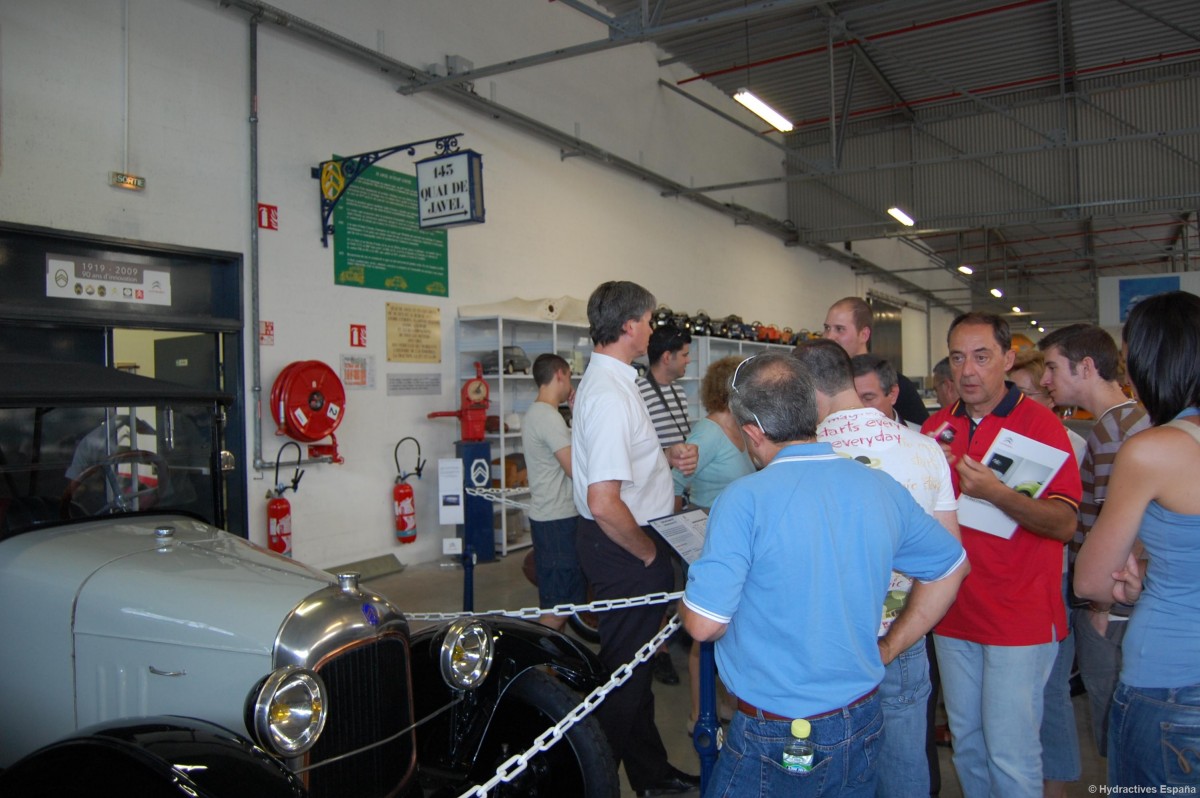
x=125 y=500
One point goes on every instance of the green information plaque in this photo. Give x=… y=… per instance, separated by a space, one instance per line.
x=377 y=240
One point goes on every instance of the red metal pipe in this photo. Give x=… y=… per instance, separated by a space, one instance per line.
x=916 y=26
x=1074 y=234
x=1127 y=62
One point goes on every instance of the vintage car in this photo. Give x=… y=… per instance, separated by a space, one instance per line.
x=511 y=360
x=148 y=652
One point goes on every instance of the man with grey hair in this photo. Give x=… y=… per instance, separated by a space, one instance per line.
x=943 y=383
x=621 y=478
x=798 y=558
x=876 y=382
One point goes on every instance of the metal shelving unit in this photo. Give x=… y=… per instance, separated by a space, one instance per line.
x=514 y=393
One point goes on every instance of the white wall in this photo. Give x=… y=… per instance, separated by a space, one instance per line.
x=554 y=226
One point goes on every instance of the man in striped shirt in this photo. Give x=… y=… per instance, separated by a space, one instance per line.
x=669 y=353
x=1082 y=364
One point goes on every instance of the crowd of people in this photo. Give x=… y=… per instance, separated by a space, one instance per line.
x=863 y=557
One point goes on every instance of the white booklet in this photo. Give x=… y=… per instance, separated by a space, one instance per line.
x=684 y=532
x=1021 y=463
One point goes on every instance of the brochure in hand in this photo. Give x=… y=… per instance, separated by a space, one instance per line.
x=684 y=532
x=1021 y=463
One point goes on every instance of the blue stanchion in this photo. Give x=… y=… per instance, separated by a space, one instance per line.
x=704 y=733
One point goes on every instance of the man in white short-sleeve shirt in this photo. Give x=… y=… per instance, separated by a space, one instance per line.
x=622 y=479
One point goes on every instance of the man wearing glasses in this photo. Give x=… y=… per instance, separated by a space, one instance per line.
x=795 y=567
x=621 y=478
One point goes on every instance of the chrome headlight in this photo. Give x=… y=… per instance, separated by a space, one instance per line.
x=467 y=652
x=289 y=711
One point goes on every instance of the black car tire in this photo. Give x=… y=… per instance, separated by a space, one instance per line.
x=580 y=764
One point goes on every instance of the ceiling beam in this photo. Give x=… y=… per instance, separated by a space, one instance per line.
x=1155 y=135
x=621 y=31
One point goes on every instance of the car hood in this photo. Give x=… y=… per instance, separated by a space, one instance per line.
x=195 y=586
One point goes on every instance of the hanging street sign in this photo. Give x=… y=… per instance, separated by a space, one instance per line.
x=450 y=190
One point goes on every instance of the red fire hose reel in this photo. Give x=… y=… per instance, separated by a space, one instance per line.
x=307 y=403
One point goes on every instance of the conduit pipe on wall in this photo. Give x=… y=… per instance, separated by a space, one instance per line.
x=255 y=322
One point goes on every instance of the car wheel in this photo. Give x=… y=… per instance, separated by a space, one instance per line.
x=581 y=763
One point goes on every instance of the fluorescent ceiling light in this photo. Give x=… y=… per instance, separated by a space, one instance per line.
x=763 y=111
x=996 y=292
x=965 y=269
x=900 y=216
x=1016 y=309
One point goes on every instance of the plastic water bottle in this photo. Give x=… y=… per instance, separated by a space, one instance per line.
x=798 y=753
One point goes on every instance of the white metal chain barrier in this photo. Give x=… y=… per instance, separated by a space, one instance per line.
x=500 y=496
x=515 y=764
x=533 y=613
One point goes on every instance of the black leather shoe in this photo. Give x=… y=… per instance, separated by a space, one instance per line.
x=664 y=669
x=674 y=782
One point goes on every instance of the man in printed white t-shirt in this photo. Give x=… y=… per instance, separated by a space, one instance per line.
x=917 y=463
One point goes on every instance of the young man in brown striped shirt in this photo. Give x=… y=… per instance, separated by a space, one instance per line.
x=1082 y=363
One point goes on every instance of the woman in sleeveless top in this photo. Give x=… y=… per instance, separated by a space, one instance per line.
x=1154 y=725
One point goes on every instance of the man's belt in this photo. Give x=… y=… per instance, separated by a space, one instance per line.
x=754 y=712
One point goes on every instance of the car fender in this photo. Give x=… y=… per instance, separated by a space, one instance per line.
x=153 y=757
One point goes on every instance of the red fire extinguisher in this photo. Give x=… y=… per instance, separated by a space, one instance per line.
x=403 y=501
x=279 y=509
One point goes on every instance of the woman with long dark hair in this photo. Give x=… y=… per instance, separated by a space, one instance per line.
x=1154 y=726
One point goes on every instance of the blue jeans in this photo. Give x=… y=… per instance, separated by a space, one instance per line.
x=560 y=579
x=846 y=747
x=993 y=698
x=1060 y=738
x=1154 y=736
x=903 y=766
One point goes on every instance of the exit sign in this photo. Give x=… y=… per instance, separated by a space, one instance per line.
x=123 y=180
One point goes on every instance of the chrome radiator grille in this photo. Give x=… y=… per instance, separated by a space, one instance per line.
x=370 y=699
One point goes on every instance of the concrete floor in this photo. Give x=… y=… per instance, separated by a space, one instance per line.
x=438 y=587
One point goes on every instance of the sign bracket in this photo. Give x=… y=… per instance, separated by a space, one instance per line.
x=336 y=175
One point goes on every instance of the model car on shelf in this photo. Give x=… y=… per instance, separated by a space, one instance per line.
x=511 y=359
x=148 y=652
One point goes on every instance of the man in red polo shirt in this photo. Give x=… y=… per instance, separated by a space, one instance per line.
x=998 y=641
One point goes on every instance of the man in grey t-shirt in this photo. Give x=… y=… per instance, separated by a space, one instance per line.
x=552 y=513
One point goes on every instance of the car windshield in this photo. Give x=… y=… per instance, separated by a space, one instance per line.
x=91 y=454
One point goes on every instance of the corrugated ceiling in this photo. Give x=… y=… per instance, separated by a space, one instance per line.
x=1045 y=142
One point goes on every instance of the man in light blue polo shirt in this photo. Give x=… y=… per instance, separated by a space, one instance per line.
x=794 y=570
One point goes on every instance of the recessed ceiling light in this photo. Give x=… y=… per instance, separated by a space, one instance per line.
x=996 y=292
x=900 y=216
x=1016 y=309
x=965 y=269
x=1033 y=322
x=1041 y=329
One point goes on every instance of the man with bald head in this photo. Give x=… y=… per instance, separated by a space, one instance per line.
x=849 y=322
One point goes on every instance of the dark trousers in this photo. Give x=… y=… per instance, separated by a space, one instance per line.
x=931 y=751
x=627 y=714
